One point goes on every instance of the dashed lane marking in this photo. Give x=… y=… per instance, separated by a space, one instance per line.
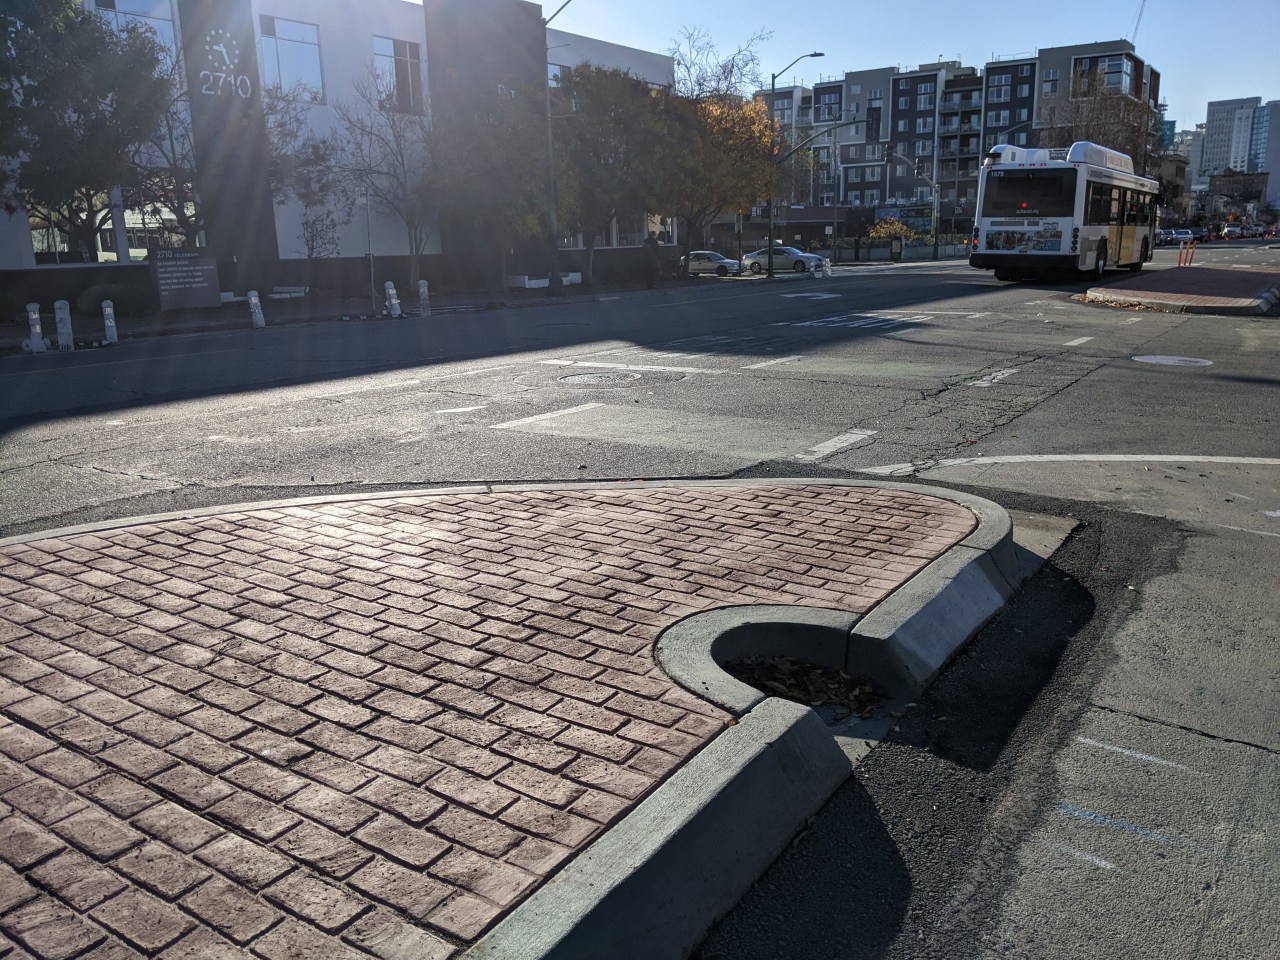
x=652 y=368
x=770 y=363
x=991 y=379
x=567 y=411
x=1080 y=341
x=834 y=445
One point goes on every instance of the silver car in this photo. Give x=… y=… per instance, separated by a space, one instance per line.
x=784 y=258
x=708 y=261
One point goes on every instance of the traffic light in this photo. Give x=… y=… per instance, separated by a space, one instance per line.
x=919 y=168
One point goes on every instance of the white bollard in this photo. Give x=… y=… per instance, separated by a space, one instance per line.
x=393 y=301
x=62 y=313
x=37 y=335
x=826 y=267
x=424 y=298
x=109 y=322
x=255 y=309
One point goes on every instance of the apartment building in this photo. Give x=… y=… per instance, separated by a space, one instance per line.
x=936 y=121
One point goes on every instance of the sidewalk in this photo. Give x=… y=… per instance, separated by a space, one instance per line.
x=377 y=726
x=1239 y=290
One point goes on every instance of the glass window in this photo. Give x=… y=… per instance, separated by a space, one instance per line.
x=291 y=58
x=924 y=125
x=1049 y=88
x=904 y=102
x=399 y=71
x=1001 y=80
x=872 y=175
x=1024 y=89
x=902 y=126
x=924 y=101
x=925 y=88
x=1024 y=70
x=871 y=197
x=153 y=15
x=998 y=118
x=1024 y=114
x=1030 y=193
x=998 y=95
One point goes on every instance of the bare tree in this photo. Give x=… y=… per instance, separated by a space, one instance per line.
x=1105 y=116
x=385 y=157
x=162 y=179
x=701 y=70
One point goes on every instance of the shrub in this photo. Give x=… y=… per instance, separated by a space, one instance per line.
x=129 y=301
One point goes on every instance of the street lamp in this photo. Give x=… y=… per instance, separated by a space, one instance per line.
x=555 y=286
x=773 y=88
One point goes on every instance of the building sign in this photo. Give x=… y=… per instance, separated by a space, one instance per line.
x=186 y=279
x=228 y=129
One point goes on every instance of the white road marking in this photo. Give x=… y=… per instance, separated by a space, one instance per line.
x=1132 y=320
x=545 y=416
x=993 y=378
x=626 y=366
x=1080 y=341
x=1133 y=754
x=905 y=469
x=462 y=409
x=834 y=445
x=770 y=363
x=1261 y=533
x=813 y=296
x=1079 y=854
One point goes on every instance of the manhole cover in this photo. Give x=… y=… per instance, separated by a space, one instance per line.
x=1176 y=361
x=600 y=379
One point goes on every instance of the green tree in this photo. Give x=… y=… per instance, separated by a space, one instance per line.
x=609 y=148
x=82 y=116
x=490 y=170
x=721 y=145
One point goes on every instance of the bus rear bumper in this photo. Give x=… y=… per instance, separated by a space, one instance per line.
x=1024 y=263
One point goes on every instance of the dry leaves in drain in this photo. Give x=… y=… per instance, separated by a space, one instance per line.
x=808 y=683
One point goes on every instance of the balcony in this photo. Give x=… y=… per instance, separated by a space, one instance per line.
x=952 y=104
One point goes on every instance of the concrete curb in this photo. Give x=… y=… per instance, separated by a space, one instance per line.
x=1252 y=308
x=652 y=885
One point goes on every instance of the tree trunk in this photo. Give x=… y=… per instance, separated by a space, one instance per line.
x=589 y=271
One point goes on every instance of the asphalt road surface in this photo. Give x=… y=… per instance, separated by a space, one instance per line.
x=1096 y=776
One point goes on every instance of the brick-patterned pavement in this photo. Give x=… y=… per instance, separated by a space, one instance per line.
x=1196 y=286
x=373 y=727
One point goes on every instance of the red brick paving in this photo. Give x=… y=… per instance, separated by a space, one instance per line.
x=1203 y=286
x=371 y=728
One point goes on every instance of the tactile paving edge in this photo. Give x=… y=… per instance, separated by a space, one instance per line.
x=655 y=882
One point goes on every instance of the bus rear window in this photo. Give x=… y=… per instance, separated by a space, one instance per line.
x=1030 y=193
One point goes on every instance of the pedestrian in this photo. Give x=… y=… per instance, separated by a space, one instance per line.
x=652 y=260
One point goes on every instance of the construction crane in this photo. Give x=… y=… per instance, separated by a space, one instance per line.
x=1133 y=34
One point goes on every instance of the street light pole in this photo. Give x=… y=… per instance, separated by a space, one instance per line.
x=555 y=285
x=773 y=90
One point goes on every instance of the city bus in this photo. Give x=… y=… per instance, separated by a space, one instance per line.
x=1079 y=209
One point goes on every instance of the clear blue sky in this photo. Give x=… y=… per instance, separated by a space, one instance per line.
x=1205 y=50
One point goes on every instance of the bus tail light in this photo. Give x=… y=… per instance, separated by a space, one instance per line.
x=1075 y=239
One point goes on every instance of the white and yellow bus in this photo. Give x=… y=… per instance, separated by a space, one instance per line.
x=1043 y=211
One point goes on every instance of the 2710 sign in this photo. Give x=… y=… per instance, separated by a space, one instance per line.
x=224 y=57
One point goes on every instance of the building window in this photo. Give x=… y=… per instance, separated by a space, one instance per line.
x=1001 y=80
x=875 y=151
x=1024 y=70
x=922 y=194
x=554 y=72
x=1024 y=114
x=998 y=95
x=291 y=58
x=875 y=94
x=899 y=170
x=998 y=118
x=1020 y=139
x=855 y=175
x=925 y=88
x=872 y=175
x=924 y=101
x=853 y=153
x=828 y=106
x=902 y=84
x=924 y=125
x=122 y=14
x=902 y=126
x=399 y=70
x=1024 y=89
x=904 y=102
x=924 y=148
x=871 y=197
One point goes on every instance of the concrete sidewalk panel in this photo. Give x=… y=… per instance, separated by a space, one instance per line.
x=652 y=886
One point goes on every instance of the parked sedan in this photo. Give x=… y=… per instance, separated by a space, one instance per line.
x=708 y=261
x=784 y=258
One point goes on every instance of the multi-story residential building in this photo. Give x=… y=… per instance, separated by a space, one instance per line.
x=960 y=148
x=1010 y=98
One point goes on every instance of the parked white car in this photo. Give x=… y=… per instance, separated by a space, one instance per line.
x=784 y=258
x=708 y=261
